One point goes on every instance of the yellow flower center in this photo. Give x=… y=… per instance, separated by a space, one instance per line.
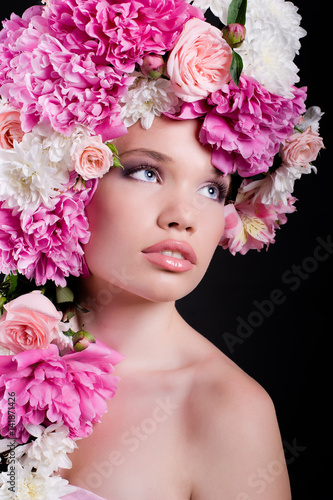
x=252 y=226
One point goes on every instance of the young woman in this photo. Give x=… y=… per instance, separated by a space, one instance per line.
x=186 y=422
x=202 y=155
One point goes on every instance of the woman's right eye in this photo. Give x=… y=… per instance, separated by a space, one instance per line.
x=145 y=174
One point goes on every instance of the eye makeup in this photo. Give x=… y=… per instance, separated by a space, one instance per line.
x=142 y=165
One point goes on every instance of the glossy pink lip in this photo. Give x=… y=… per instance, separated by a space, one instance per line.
x=168 y=262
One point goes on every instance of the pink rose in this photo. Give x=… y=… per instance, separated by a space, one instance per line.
x=30 y=322
x=199 y=63
x=302 y=148
x=10 y=129
x=92 y=158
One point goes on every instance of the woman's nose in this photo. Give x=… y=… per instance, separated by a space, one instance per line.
x=179 y=215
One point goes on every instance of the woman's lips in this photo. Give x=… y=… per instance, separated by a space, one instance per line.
x=171 y=255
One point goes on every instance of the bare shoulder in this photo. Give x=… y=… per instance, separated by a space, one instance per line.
x=227 y=395
x=235 y=434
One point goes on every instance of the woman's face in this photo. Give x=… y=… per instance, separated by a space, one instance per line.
x=156 y=223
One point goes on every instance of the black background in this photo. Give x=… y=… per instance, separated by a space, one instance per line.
x=288 y=350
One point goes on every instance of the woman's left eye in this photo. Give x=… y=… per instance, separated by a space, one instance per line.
x=211 y=191
x=145 y=174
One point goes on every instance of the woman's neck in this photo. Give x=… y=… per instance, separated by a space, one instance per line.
x=144 y=332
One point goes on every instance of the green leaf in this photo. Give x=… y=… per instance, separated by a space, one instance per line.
x=3 y=301
x=112 y=147
x=237 y=12
x=69 y=333
x=13 y=280
x=116 y=161
x=236 y=67
x=64 y=294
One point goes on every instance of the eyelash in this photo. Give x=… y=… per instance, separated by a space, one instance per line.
x=128 y=172
x=223 y=190
x=220 y=185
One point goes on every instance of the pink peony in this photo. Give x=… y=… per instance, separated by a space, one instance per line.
x=47 y=245
x=50 y=81
x=17 y=42
x=30 y=322
x=301 y=148
x=199 y=63
x=50 y=389
x=245 y=125
x=72 y=64
x=127 y=31
x=92 y=158
x=10 y=36
x=10 y=129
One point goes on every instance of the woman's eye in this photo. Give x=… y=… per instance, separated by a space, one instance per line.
x=210 y=191
x=144 y=174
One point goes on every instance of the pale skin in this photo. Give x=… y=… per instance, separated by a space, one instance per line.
x=186 y=422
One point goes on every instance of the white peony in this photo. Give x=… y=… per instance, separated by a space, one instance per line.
x=30 y=173
x=61 y=148
x=282 y=14
x=48 y=452
x=146 y=99
x=268 y=60
x=271 y=43
x=29 y=485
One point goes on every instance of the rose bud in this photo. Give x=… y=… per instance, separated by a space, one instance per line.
x=234 y=34
x=152 y=66
x=82 y=339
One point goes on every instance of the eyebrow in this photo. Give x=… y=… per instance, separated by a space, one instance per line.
x=217 y=173
x=154 y=155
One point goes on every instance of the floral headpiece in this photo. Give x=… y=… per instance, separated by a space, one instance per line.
x=74 y=75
